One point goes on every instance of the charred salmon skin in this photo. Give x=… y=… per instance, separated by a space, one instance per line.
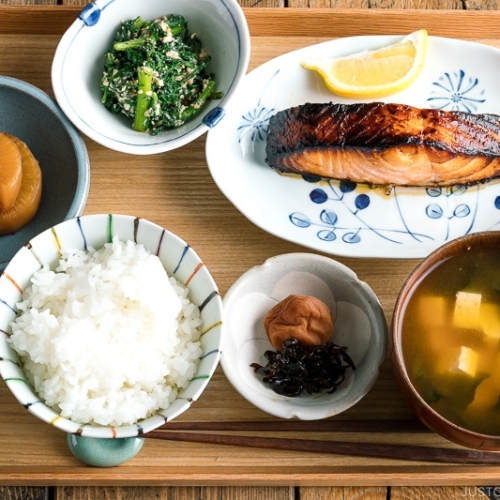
x=385 y=144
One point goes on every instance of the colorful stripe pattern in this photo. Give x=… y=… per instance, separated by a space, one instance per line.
x=93 y=231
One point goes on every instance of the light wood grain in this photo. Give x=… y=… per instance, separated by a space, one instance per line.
x=322 y=4
x=450 y=493
x=24 y=493
x=306 y=25
x=378 y=4
x=178 y=493
x=28 y=2
x=243 y=3
x=162 y=188
x=479 y=5
x=310 y=24
x=346 y=493
x=247 y=493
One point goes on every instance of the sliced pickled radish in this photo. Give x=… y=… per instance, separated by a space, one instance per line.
x=10 y=172
x=28 y=200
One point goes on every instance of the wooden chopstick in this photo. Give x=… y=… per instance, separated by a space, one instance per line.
x=336 y=426
x=363 y=449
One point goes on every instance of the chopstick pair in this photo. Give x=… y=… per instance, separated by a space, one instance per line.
x=335 y=426
x=360 y=449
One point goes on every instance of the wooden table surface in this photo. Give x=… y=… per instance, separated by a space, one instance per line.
x=268 y=246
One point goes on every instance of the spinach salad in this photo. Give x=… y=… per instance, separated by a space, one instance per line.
x=155 y=73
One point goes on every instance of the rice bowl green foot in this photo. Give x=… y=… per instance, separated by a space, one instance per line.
x=104 y=452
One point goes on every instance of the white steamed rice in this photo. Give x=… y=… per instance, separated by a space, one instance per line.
x=108 y=337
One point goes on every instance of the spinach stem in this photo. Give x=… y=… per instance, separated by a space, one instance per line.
x=145 y=75
x=129 y=44
x=196 y=70
x=195 y=108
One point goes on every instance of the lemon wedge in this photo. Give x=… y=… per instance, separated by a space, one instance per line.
x=374 y=73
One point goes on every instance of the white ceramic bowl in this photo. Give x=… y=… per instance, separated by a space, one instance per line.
x=78 y=64
x=360 y=326
x=178 y=258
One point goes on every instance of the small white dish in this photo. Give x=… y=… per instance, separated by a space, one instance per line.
x=360 y=326
x=79 y=62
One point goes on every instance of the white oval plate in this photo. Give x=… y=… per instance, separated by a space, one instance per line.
x=348 y=219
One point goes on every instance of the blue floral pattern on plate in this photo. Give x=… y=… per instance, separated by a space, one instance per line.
x=456 y=91
x=346 y=218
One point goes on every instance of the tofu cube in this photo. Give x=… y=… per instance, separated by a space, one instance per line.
x=462 y=359
x=490 y=321
x=467 y=361
x=467 y=310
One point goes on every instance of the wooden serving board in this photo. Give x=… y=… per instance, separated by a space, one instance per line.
x=176 y=190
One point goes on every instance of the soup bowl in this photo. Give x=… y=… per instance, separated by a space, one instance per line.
x=445 y=335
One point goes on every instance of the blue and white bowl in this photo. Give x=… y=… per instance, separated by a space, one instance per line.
x=180 y=261
x=79 y=62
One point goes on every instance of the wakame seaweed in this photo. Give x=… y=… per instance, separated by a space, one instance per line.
x=155 y=73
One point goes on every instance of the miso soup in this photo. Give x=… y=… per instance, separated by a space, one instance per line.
x=451 y=339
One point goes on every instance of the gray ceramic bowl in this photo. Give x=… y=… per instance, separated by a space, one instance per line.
x=30 y=114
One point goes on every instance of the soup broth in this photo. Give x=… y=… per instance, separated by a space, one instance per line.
x=451 y=339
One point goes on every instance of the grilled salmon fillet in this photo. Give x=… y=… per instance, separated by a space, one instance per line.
x=385 y=144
